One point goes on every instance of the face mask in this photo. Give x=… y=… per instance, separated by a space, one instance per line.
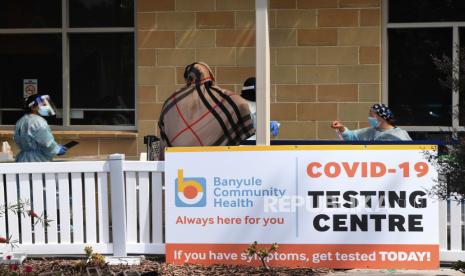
x=373 y=122
x=44 y=111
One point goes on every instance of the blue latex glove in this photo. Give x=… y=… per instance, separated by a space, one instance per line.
x=62 y=150
x=274 y=128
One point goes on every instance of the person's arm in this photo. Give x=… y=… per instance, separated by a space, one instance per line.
x=346 y=134
x=16 y=136
x=349 y=135
x=353 y=135
x=43 y=136
x=362 y=134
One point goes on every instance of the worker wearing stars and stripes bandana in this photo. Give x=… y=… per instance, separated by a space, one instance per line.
x=383 y=111
x=203 y=114
x=382 y=127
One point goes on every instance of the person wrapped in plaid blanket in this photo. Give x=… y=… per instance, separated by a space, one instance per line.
x=203 y=114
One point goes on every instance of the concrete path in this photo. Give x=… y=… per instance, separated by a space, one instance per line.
x=386 y=272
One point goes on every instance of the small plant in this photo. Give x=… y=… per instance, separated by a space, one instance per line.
x=21 y=208
x=94 y=259
x=262 y=254
x=88 y=250
x=450 y=164
x=459 y=266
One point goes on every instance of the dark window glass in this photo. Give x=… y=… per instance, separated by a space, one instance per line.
x=462 y=77
x=426 y=10
x=30 y=14
x=95 y=117
x=28 y=56
x=102 y=79
x=416 y=93
x=101 y=13
x=444 y=137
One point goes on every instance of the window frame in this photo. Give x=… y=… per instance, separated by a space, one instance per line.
x=65 y=30
x=385 y=25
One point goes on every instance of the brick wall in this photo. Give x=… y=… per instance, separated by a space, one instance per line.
x=325 y=57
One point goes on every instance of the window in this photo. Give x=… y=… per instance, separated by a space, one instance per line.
x=417 y=97
x=101 y=77
x=421 y=46
x=113 y=13
x=87 y=65
x=18 y=61
x=402 y=11
x=30 y=14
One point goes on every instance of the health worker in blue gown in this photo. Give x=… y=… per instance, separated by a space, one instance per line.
x=33 y=134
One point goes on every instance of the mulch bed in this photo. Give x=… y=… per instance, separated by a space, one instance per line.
x=53 y=266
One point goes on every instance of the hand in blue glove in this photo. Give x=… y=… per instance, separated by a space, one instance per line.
x=62 y=150
x=274 y=128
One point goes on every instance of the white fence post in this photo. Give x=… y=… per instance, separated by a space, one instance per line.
x=118 y=206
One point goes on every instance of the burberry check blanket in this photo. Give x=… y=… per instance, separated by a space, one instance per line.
x=203 y=114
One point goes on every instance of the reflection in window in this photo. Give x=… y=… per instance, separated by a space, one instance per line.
x=102 y=79
x=19 y=61
x=101 y=13
x=415 y=92
x=30 y=14
x=403 y=11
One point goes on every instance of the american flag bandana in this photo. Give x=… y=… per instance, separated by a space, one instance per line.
x=383 y=111
x=203 y=114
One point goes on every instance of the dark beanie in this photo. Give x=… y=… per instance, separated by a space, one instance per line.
x=248 y=90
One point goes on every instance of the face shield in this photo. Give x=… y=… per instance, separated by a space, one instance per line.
x=46 y=106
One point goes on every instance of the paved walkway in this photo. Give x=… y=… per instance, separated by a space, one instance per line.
x=385 y=272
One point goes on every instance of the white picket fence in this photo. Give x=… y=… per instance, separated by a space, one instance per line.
x=87 y=202
x=451 y=230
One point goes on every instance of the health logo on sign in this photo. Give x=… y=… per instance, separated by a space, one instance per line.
x=190 y=192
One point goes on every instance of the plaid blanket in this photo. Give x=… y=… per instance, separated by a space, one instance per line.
x=203 y=114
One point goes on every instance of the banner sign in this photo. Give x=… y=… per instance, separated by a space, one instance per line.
x=339 y=206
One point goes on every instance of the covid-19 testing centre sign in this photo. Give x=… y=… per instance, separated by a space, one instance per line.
x=334 y=206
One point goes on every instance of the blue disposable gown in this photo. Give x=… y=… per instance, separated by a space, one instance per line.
x=35 y=139
x=374 y=134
